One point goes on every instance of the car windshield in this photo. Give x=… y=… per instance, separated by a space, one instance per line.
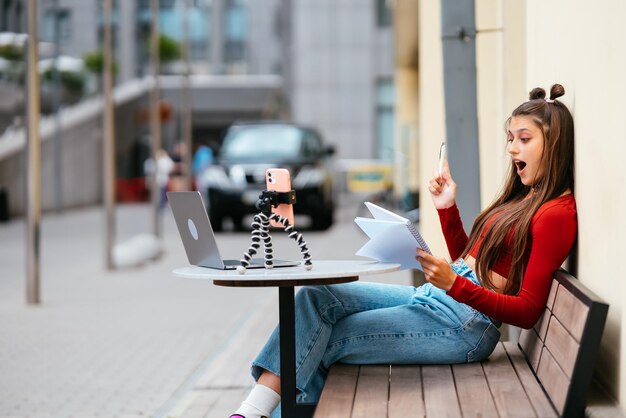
x=262 y=142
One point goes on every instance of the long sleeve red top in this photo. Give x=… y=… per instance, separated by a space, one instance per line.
x=553 y=231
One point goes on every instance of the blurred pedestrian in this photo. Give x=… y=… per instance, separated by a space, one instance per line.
x=177 y=173
x=164 y=167
x=202 y=159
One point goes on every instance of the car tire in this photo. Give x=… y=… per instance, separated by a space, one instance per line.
x=216 y=218
x=323 y=220
x=238 y=223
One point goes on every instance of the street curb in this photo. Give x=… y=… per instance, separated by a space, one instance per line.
x=228 y=368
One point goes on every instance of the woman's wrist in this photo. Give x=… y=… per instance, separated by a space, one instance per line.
x=452 y=278
x=454 y=287
x=446 y=206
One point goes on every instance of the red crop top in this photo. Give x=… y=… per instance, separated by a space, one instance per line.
x=553 y=231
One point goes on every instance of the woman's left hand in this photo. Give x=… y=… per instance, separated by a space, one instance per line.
x=436 y=270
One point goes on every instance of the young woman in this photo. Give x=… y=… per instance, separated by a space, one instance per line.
x=502 y=273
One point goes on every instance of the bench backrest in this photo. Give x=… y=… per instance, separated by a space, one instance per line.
x=563 y=346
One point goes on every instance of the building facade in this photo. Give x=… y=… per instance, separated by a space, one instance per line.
x=335 y=58
x=341 y=76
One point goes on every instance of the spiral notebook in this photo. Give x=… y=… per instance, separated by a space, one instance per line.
x=392 y=238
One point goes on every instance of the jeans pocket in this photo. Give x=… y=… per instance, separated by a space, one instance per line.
x=486 y=343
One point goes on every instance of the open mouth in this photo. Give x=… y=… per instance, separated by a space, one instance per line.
x=520 y=166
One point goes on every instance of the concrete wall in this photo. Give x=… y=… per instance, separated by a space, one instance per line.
x=501 y=83
x=80 y=166
x=338 y=54
x=431 y=117
x=80 y=179
x=264 y=50
x=406 y=79
x=521 y=45
x=83 y=37
x=581 y=45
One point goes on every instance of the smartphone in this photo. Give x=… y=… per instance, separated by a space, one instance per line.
x=279 y=180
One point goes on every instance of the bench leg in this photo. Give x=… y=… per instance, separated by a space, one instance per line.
x=287 y=326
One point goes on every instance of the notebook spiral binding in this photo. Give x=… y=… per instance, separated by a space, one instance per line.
x=418 y=237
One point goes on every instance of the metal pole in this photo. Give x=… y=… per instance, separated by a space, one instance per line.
x=155 y=121
x=459 y=66
x=58 y=138
x=108 y=141
x=186 y=100
x=33 y=174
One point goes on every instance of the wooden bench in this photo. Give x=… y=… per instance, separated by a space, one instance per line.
x=545 y=374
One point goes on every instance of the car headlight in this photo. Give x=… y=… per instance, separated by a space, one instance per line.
x=308 y=177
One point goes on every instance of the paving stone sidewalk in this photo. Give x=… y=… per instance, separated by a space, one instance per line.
x=135 y=342
x=104 y=344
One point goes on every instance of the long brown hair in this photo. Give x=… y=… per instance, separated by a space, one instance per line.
x=514 y=208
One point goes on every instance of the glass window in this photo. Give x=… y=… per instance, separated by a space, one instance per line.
x=235 y=27
x=312 y=146
x=235 y=31
x=385 y=119
x=272 y=142
x=64 y=22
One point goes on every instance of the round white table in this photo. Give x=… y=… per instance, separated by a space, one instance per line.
x=286 y=278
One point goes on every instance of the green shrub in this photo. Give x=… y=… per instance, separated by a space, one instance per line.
x=94 y=61
x=169 y=50
x=11 y=52
x=72 y=81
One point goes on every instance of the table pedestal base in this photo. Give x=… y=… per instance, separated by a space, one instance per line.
x=287 y=326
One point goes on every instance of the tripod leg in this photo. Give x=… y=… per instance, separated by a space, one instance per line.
x=296 y=236
x=256 y=236
x=267 y=242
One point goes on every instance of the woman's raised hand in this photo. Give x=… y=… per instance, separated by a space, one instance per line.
x=442 y=188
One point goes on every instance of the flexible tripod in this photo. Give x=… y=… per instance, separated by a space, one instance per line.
x=260 y=230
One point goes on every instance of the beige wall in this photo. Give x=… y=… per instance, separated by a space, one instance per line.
x=521 y=45
x=406 y=78
x=500 y=69
x=581 y=45
x=431 y=115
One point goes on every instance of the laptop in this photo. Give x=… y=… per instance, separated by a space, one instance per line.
x=198 y=238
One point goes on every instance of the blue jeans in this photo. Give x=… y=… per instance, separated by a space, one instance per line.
x=372 y=323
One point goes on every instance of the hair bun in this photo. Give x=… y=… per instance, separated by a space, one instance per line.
x=556 y=91
x=537 y=93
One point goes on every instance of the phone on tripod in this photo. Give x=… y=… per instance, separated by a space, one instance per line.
x=279 y=180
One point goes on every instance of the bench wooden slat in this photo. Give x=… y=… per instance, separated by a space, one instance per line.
x=473 y=391
x=554 y=380
x=508 y=392
x=535 y=393
x=372 y=392
x=405 y=392
x=571 y=311
x=440 y=397
x=531 y=345
x=542 y=325
x=338 y=395
x=562 y=346
x=552 y=295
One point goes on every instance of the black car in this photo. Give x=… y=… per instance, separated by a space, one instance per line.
x=235 y=180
